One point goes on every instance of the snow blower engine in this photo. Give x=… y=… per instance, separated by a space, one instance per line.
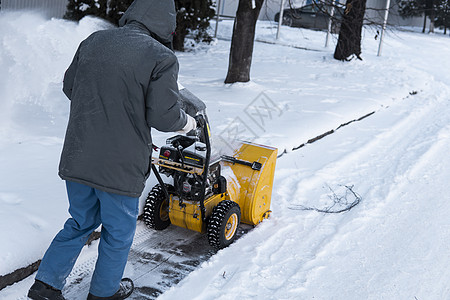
x=210 y=195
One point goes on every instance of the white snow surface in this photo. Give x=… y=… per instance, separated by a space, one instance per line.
x=393 y=245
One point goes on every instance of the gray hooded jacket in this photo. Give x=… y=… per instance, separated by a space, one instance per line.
x=121 y=82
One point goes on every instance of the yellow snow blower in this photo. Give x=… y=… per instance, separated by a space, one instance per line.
x=209 y=195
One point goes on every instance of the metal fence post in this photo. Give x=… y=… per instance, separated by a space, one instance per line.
x=218 y=18
x=386 y=14
x=280 y=18
x=330 y=20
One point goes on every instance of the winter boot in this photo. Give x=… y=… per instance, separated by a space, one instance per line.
x=125 y=290
x=42 y=291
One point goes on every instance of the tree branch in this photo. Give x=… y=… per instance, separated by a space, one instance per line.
x=341 y=203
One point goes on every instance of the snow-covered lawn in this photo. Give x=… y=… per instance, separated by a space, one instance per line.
x=393 y=245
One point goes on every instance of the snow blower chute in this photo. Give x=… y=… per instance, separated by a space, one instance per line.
x=209 y=194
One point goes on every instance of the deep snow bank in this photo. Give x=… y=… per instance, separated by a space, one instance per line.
x=34 y=54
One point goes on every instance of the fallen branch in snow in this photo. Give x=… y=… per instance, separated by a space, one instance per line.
x=338 y=200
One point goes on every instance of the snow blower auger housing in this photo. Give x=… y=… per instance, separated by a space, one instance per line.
x=210 y=196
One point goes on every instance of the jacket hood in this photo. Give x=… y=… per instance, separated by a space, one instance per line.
x=158 y=16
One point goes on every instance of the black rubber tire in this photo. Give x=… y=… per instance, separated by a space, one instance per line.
x=287 y=20
x=223 y=224
x=156 y=209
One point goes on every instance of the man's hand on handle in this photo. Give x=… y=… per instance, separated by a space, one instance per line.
x=191 y=124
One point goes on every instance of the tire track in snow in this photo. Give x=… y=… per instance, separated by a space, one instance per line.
x=406 y=145
x=398 y=143
x=423 y=212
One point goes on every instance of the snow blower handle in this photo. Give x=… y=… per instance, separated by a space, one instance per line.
x=203 y=131
x=254 y=165
x=200 y=121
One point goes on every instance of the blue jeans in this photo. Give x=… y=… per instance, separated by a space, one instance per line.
x=90 y=207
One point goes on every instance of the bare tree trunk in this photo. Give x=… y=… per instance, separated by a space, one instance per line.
x=430 y=9
x=178 y=39
x=349 y=41
x=445 y=17
x=431 y=27
x=242 y=41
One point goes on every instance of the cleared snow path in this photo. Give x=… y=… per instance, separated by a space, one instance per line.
x=157 y=261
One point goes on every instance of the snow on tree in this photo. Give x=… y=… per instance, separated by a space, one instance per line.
x=77 y=9
x=193 y=16
x=443 y=15
x=437 y=11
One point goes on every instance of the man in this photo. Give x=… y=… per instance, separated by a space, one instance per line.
x=121 y=82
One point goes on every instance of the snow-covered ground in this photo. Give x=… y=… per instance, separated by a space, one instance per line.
x=393 y=245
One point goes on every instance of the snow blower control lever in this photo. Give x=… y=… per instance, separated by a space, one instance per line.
x=254 y=165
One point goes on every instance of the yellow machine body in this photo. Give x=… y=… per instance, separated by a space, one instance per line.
x=189 y=216
x=251 y=189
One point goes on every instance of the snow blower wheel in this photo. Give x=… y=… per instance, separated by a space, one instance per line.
x=156 y=209
x=223 y=224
